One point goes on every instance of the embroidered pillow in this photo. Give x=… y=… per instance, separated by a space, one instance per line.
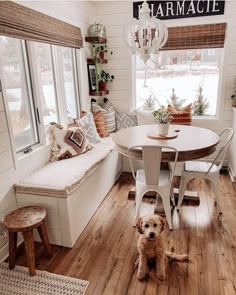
x=88 y=124
x=182 y=116
x=67 y=142
x=124 y=120
x=100 y=124
x=108 y=112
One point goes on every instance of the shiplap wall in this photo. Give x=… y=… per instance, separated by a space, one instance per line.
x=114 y=15
x=11 y=168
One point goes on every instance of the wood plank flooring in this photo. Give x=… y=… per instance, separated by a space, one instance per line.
x=106 y=251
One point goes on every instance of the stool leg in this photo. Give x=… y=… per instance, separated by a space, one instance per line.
x=44 y=237
x=29 y=249
x=12 y=249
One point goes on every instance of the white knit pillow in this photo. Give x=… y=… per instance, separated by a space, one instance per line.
x=108 y=112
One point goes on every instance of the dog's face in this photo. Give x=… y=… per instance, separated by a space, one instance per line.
x=150 y=226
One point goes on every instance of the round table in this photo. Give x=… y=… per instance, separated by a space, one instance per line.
x=192 y=142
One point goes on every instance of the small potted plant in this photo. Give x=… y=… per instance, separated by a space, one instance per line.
x=103 y=79
x=99 y=52
x=163 y=118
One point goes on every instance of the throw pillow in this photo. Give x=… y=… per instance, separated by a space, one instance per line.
x=88 y=124
x=67 y=142
x=182 y=116
x=108 y=112
x=100 y=124
x=124 y=120
x=145 y=117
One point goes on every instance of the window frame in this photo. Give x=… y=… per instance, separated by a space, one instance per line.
x=30 y=68
x=196 y=118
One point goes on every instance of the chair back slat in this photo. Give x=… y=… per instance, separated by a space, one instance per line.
x=152 y=163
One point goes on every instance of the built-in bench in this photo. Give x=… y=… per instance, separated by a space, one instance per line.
x=71 y=190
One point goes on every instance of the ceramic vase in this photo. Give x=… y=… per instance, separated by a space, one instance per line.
x=163 y=128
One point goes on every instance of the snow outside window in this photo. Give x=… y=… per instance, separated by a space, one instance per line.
x=185 y=71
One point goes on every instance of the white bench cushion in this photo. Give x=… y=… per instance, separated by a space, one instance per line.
x=61 y=178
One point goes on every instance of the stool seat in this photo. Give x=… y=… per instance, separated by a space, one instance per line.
x=24 y=219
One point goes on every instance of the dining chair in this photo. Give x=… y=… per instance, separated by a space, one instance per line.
x=207 y=170
x=153 y=178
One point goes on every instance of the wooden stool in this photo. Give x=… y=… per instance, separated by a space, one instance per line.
x=25 y=220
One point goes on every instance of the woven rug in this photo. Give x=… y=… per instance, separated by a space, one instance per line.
x=18 y=282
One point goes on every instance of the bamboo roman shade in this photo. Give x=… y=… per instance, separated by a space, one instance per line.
x=24 y=23
x=196 y=37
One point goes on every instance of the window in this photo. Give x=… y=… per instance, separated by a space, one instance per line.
x=16 y=81
x=46 y=82
x=184 y=71
x=39 y=80
x=69 y=81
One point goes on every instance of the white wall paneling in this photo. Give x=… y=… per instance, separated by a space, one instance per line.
x=77 y=13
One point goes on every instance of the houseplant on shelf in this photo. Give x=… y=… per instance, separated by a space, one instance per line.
x=163 y=118
x=99 y=52
x=103 y=79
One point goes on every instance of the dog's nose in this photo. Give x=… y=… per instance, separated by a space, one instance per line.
x=151 y=235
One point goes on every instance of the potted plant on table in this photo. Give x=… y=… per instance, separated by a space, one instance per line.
x=163 y=118
x=103 y=79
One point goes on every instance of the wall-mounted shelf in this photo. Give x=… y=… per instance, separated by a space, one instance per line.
x=96 y=40
x=90 y=61
x=99 y=92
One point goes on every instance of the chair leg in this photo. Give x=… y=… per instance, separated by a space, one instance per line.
x=167 y=208
x=216 y=184
x=172 y=196
x=182 y=188
x=139 y=196
x=12 y=249
x=29 y=249
x=44 y=237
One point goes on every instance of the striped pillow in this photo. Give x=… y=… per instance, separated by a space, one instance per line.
x=100 y=124
x=108 y=112
x=182 y=116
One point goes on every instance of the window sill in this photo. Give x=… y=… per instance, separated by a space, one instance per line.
x=35 y=149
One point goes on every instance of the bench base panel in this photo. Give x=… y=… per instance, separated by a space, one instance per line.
x=68 y=217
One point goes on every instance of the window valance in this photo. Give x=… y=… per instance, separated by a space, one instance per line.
x=196 y=37
x=18 y=21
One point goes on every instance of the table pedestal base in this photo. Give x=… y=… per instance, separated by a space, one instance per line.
x=189 y=196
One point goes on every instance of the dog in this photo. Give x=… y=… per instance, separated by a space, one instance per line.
x=151 y=246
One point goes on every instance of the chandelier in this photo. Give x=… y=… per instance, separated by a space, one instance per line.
x=146 y=35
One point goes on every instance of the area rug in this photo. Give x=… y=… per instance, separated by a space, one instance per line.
x=18 y=282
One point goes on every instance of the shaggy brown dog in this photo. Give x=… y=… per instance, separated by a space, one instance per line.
x=151 y=246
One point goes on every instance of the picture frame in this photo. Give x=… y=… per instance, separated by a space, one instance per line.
x=92 y=77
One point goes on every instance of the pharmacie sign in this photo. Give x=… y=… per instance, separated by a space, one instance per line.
x=181 y=9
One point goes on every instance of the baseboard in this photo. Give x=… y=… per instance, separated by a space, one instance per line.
x=231 y=173
x=4 y=250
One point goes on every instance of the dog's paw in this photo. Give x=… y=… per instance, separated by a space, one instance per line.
x=161 y=276
x=141 y=276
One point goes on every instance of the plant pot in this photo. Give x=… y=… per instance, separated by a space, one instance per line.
x=163 y=128
x=233 y=102
x=102 y=85
x=101 y=55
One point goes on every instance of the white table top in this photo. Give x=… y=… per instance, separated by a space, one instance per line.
x=192 y=142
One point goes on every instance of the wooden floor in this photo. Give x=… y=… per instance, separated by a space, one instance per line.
x=106 y=251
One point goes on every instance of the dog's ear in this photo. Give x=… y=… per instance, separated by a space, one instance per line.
x=163 y=223
x=139 y=225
